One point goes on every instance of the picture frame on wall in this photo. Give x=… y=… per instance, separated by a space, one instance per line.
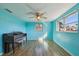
x=39 y=27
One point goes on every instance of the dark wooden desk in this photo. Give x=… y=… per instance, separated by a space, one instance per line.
x=11 y=41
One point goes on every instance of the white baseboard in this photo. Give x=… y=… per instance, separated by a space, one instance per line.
x=66 y=50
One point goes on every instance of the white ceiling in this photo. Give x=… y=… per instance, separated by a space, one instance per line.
x=53 y=10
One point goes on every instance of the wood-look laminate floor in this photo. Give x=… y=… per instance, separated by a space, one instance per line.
x=30 y=49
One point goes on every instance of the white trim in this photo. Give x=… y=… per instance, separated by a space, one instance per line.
x=65 y=49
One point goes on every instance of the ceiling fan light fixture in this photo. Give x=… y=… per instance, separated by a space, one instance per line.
x=38 y=17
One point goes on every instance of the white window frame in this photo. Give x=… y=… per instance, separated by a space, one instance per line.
x=64 y=18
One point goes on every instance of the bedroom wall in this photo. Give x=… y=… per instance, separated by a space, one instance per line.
x=33 y=34
x=9 y=23
x=67 y=40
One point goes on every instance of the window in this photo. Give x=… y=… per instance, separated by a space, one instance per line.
x=68 y=23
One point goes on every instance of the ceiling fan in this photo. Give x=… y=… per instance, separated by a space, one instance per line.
x=36 y=14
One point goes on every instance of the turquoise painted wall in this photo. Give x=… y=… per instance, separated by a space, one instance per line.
x=69 y=41
x=33 y=34
x=10 y=23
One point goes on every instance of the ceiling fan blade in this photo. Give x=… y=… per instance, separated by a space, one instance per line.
x=31 y=17
x=43 y=13
x=30 y=13
x=44 y=17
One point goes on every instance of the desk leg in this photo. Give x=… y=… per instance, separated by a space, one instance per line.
x=13 y=48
